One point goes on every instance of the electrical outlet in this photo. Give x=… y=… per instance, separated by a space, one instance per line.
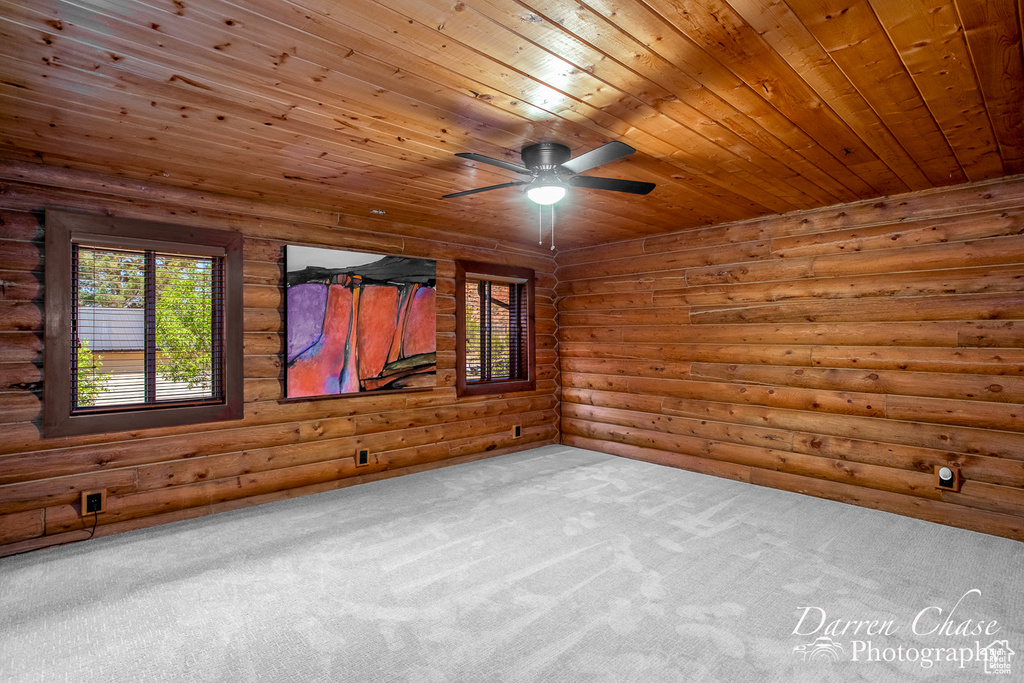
x=517 y=431
x=948 y=478
x=94 y=502
x=362 y=457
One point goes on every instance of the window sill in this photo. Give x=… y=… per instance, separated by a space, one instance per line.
x=483 y=388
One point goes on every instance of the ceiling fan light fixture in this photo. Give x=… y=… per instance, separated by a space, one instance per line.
x=545 y=193
x=554 y=170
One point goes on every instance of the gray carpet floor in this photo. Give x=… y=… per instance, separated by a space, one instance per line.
x=555 y=564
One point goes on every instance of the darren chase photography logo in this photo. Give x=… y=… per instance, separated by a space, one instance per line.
x=823 y=648
x=951 y=637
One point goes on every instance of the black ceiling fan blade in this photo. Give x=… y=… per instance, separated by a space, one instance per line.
x=484 y=189
x=472 y=156
x=613 y=184
x=596 y=157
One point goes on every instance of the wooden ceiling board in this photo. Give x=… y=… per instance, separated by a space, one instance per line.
x=687 y=57
x=783 y=31
x=737 y=108
x=993 y=34
x=931 y=42
x=737 y=46
x=858 y=44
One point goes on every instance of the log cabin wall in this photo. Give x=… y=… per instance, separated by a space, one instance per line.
x=280 y=449
x=842 y=353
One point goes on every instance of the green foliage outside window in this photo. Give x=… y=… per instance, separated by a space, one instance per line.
x=91 y=382
x=184 y=311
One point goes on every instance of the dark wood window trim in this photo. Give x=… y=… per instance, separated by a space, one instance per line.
x=478 y=270
x=62 y=228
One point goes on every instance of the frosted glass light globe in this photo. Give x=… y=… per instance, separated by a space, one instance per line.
x=545 y=194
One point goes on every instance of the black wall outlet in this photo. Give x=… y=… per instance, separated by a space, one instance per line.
x=362 y=457
x=93 y=503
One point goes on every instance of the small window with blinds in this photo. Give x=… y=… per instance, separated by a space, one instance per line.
x=142 y=330
x=494 y=328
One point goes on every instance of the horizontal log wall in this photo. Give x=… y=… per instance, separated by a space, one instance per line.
x=843 y=353
x=280 y=449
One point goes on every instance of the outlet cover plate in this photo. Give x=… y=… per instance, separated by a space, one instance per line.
x=102 y=493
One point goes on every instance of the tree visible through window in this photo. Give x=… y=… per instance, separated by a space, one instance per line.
x=495 y=328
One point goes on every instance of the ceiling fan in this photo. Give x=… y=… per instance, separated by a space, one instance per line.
x=552 y=171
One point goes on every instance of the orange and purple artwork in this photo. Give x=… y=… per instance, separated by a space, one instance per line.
x=358 y=322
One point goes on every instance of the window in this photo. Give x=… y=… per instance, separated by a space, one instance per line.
x=143 y=324
x=494 y=328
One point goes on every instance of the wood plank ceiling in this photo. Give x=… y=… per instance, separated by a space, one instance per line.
x=737 y=108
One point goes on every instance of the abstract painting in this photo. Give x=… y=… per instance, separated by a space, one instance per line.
x=358 y=322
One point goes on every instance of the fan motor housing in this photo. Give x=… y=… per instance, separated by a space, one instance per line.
x=545 y=155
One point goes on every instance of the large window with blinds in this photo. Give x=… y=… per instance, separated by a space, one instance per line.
x=146 y=327
x=143 y=330
x=494 y=328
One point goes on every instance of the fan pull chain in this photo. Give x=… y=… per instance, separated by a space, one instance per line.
x=552 y=227
x=540 y=225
